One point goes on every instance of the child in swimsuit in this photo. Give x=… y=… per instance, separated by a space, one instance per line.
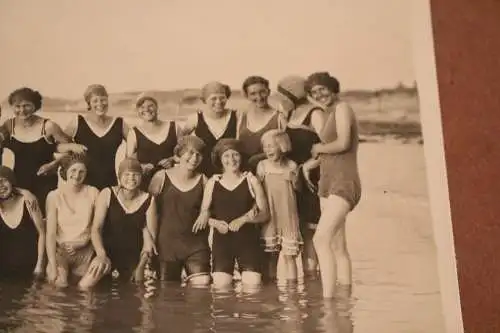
x=280 y=178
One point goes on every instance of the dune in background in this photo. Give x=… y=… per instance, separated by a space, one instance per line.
x=384 y=115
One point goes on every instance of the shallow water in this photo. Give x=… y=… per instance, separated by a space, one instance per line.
x=396 y=287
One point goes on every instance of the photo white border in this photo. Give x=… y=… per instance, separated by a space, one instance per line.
x=430 y=113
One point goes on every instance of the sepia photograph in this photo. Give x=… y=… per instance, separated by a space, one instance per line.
x=223 y=166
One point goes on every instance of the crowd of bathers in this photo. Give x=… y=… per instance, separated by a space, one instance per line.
x=226 y=191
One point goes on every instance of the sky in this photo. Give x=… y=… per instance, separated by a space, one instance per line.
x=59 y=47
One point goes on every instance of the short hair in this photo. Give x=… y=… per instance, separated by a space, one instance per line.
x=69 y=160
x=281 y=138
x=254 y=80
x=26 y=94
x=322 y=79
x=224 y=145
x=190 y=141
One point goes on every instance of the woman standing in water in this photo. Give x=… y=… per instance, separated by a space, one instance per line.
x=259 y=119
x=101 y=134
x=339 y=184
x=22 y=231
x=33 y=141
x=153 y=141
x=124 y=228
x=305 y=122
x=234 y=203
x=214 y=123
x=182 y=243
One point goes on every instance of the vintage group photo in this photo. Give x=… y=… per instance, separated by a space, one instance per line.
x=216 y=166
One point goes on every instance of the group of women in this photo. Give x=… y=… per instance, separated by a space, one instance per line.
x=224 y=190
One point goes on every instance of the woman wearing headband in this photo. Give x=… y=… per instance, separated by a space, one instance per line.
x=101 y=134
x=339 y=183
x=214 y=123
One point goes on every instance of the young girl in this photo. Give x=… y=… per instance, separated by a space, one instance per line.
x=216 y=122
x=280 y=177
x=124 y=228
x=182 y=243
x=233 y=203
x=153 y=141
x=101 y=134
x=70 y=209
x=22 y=231
x=339 y=183
x=305 y=122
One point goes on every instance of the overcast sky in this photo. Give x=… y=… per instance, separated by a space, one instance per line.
x=61 y=46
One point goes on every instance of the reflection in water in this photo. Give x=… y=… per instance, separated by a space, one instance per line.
x=159 y=307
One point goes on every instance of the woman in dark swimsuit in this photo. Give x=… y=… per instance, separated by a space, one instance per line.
x=234 y=203
x=33 y=141
x=304 y=124
x=22 y=231
x=153 y=141
x=260 y=118
x=214 y=123
x=101 y=134
x=124 y=228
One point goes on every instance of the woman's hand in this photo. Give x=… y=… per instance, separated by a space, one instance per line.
x=45 y=169
x=236 y=224
x=306 y=171
x=146 y=168
x=200 y=223
x=100 y=266
x=76 y=148
x=316 y=150
x=167 y=163
x=221 y=226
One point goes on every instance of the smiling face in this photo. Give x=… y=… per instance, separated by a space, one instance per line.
x=130 y=180
x=99 y=104
x=190 y=158
x=23 y=109
x=272 y=149
x=5 y=188
x=258 y=94
x=216 y=102
x=76 y=173
x=323 y=95
x=148 y=110
x=231 y=160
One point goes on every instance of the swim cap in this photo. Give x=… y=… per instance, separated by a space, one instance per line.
x=215 y=88
x=94 y=89
x=8 y=174
x=293 y=87
x=129 y=164
x=143 y=97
